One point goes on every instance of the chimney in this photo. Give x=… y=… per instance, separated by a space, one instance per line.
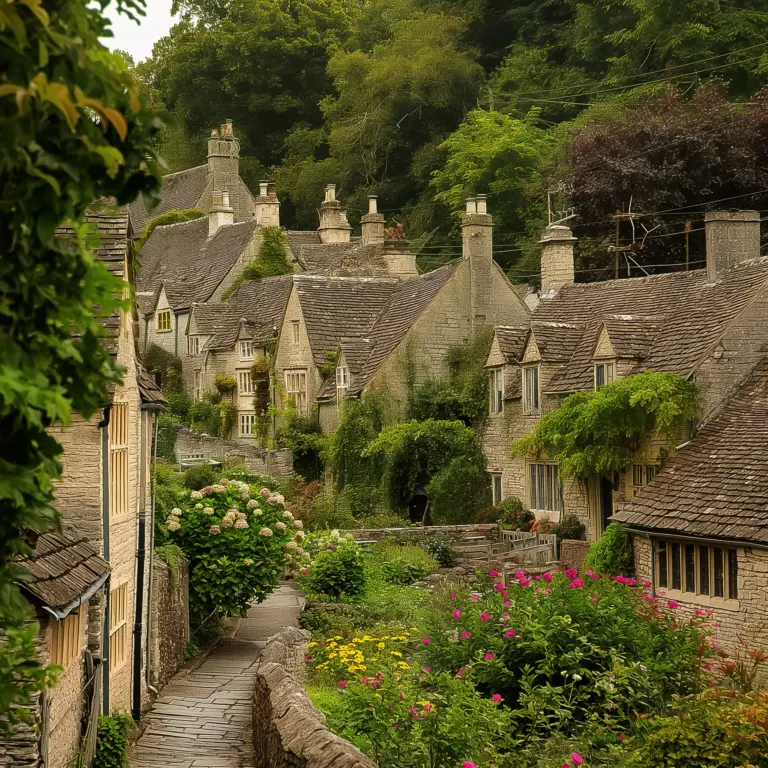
x=224 y=158
x=334 y=227
x=372 y=223
x=557 y=243
x=400 y=260
x=477 y=249
x=221 y=214
x=733 y=237
x=267 y=205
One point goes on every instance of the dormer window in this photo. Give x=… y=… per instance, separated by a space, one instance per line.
x=531 y=379
x=496 y=383
x=246 y=350
x=164 y=320
x=342 y=377
x=604 y=374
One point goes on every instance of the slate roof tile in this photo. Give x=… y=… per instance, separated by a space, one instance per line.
x=511 y=340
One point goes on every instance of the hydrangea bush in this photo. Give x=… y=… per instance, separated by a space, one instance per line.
x=239 y=543
x=336 y=571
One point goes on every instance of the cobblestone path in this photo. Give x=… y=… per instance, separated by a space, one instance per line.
x=203 y=718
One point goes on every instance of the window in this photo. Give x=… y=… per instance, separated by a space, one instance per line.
x=164 y=320
x=66 y=637
x=198 y=393
x=246 y=350
x=603 y=374
x=118 y=460
x=295 y=331
x=342 y=377
x=642 y=474
x=496 y=378
x=496 y=494
x=544 y=492
x=247 y=420
x=697 y=568
x=118 y=626
x=193 y=345
x=531 y=388
x=296 y=389
x=246 y=382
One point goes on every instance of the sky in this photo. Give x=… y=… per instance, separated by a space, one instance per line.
x=138 y=40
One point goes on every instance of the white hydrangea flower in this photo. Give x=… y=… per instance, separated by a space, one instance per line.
x=241 y=516
x=252 y=504
x=208 y=510
x=241 y=523
x=227 y=521
x=232 y=511
x=245 y=493
x=265 y=532
x=335 y=535
x=265 y=492
x=173 y=524
x=300 y=535
x=280 y=498
x=292 y=545
x=198 y=506
x=298 y=524
x=218 y=489
x=272 y=499
x=300 y=551
x=214 y=530
x=257 y=512
x=287 y=515
x=176 y=512
x=247 y=561
x=280 y=526
x=224 y=481
x=196 y=495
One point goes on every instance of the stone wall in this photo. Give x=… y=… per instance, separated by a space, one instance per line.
x=573 y=553
x=170 y=621
x=287 y=728
x=277 y=464
x=457 y=533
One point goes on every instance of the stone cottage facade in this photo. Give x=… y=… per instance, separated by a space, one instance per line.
x=708 y=325
x=701 y=527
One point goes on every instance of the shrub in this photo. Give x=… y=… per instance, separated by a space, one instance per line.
x=167 y=430
x=238 y=546
x=112 y=741
x=614 y=552
x=212 y=417
x=405 y=564
x=199 y=477
x=572 y=528
x=458 y=490
x=337 y=570
x=225 y=385
x=509 y=512
x=179 y=404
x=164 y=364
x=304 y=437
x=441 y=548
x=327 y=510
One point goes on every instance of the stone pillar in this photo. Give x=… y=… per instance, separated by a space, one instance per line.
x=372 y=223
x=222 y=213
x=334 y=227
x=224 y=158
x=477 y=249
x=267 y=205
x=733 y=237
x=400 y=260
x=557 y=269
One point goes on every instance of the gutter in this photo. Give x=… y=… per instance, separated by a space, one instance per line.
x=104 y=425
x=61 y=612
x=153 y=482
x=693 y=538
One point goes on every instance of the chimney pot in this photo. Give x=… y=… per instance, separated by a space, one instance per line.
x=557 y=270
x=733 y=237
x=263 y=188
x=482 y=207
x=372 y=204
x=267 y=205
x=221 y=214
x=330 y=192
x=471 y=205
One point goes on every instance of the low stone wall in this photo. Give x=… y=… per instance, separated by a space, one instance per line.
x=573 y=553
x=288 y=730
x=170 y=621
x=458 y=533
x=277 y=464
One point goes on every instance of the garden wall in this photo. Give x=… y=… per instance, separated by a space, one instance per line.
x=573 y=553
x=287 y=728
x=170 y=621
x=458 y=533
x=277 y=464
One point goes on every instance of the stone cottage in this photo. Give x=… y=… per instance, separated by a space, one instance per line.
x=708 y=325
x=87 y=579
x=701 y=526
x=343 y=336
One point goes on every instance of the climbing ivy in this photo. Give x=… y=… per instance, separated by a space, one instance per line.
x=600 y=432
x=273 y=260
x=164 y=365
x=169 y=217
x=213 y=417
x=303 y=436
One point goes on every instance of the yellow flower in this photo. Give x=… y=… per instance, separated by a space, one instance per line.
x=380 y=645
x=338 y=637
x=377 y=695
x=311 y=645
x=422 y=703
x=332 y=655
x=362 y=667
x=398 y=654
x=402 y=665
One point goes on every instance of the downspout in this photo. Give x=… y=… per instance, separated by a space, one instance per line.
x=104 y=425
x=141 y=553
x=151 y=554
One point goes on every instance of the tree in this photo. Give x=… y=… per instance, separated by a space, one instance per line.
x=72 y=130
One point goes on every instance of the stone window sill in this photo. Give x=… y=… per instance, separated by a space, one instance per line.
x=165 y=330
x=701 y=601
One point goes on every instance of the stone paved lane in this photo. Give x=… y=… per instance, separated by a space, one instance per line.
x=203 y=719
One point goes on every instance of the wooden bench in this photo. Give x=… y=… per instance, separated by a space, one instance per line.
x=196 y=460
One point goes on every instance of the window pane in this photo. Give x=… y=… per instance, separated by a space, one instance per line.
x=690 y=568
x=662 y=545
x=542 y=497
x=609 y=373
x=637 y=474
x=534 y=504
x=550 y=499
x=719 y=572
x=536 y=388
x=650 y=472
x=558 y=491
x=703 y=570
x=676 y=580
x=599 y=376
x=733 y=575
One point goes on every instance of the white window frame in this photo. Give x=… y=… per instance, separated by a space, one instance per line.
x=497 y=488
x=496 y=390
x=119 y=637
x=246 y=350
x=342 y=377
x=543 y=480
x=193 y=346
x=244 y=383
x=119 y=425
x=531 y=388
x=296 y=331
x=163 y=314
x=247 y=423
x=296 y=388
x=606 y=369
x=671 y=573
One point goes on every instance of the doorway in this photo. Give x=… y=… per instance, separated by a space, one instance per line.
x=606 y=502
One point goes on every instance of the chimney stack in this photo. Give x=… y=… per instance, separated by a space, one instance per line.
x=221 y=214
x=224 y=159
x=334 y=227
x=267 y=205
x=372 y=223
x=733 y=237
x=477 y=249
x=557 y=269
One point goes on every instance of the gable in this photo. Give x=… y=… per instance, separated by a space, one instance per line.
x=603 y=346
x=531 y=354
x=495 y=356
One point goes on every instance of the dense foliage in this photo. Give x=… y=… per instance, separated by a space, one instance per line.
x=165 y=219
x=599 y=432
x=73 y=131
x=614 y=552
x=165 y=366
x=112 y=741
x=336 y=570
x=272 y=260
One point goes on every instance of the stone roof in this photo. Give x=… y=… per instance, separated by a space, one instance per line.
x=151 y=394
x=189 y=264
x=352 y=259
x=556 y=342
x=179 y=191
x=511 y=340
x=716 y=485
x=63 y=572
x=683 y=316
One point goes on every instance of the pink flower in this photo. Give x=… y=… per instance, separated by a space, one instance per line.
x=621 y=737
x=456 y=614
x=453 y=595
x=466 y=635
x=507 y=603
x=427 y=669
x=475 y=598
x=509 y=634
x=547 y=577
x=576 y=584
x=594 y=600
x=571 y=573
x=395 y=725
x=460 y=672
x=425 y=640
x=673 y=604
x=427 y=707
x=520 y=574
x=467 y=764
x=488 y=656
x=595 y=576
x=647 y=585
x=493 y=574
x=485 y=616
x=343 y=683
x=576 y=758
x=524 y=582
x=496 y=698
x=498 y=587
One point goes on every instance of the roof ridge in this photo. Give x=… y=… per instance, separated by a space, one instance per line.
x=186 y=170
